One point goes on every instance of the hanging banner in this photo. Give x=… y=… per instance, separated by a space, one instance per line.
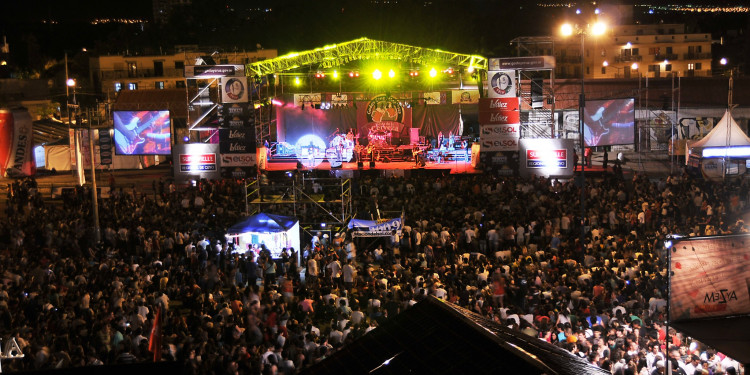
x=234 y=90
x=238 y=160
x=710 y=277
x=20 y=158
x=502 y=84
x=237 y=141
x=308 y=100
x=214 y=71
x=434 y=98
x=371 y=228
x=500 y=117
x=498 y=104
x=522 y=63
x=465 y=96
x=6 y=138
x=105 y=147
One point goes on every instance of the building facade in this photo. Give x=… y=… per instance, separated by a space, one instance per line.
x=112 y=74
x=625 y=51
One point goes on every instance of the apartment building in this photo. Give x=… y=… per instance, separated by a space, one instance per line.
x=626 y=51
x=112 y=74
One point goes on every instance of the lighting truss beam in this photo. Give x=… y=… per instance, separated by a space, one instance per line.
x=363 y=49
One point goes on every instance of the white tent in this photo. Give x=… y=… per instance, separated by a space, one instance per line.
x=725 y=134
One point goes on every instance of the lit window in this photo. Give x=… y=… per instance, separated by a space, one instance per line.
x=118 y=86
x=132 y=86
x=159 y=85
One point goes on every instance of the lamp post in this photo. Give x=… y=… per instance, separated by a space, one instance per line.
x=595 y=29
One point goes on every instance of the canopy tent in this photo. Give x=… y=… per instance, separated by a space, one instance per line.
x=722 y=151
x=276 y=232
x=373 y=228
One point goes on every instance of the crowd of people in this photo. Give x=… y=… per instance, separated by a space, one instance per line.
x=513 y=250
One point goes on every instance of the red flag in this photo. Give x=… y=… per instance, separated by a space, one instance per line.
x=154 y=340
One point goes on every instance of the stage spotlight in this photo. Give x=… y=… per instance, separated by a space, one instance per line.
x=296 y=81
x=377 y=74
x=335 y=74
x=433 y=72
x=391 y=73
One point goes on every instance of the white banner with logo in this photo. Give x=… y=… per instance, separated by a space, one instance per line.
x=501 y=137
x=502 y=83
x=371 y=228
x=234 y=90
x=310 y=99
x=238 y=160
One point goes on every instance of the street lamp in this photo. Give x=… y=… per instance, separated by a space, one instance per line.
x=596 y=29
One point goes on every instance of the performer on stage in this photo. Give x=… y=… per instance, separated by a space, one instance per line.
x=440 y=139
x=450 y=140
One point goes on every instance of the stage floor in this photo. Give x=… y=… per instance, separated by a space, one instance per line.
x=454 y=166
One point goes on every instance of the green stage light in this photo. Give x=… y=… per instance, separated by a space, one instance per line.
x=377 y=74
x=296 y=81
x=391 y=73
x=335 y=74
x=433 y=72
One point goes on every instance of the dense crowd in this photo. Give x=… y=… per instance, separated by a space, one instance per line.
x=513 y=250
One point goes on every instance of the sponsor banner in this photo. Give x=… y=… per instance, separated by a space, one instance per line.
x=502 y=117
x=434 y=98
x=105 y=147
x=6 y=138
x=214 y=71
x=369 y=228
x=235 y=110
x=85 y=148
x=546 y=157
x=499 y=144
x=502 y=84
x=310 y=99
x=498 y=104
x=237 y=141
x=238 y=160
x=72 y=146
x=710 y=278
x=465 y=96
x=500 y=131
x=196 y=161
x=384 y=110
x=234 y=90
x=339 y=100
x=21 y=158
x=521 y=63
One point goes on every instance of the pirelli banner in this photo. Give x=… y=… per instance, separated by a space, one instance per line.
x=710 y=277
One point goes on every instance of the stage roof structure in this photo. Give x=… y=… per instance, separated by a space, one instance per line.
x=363 y=49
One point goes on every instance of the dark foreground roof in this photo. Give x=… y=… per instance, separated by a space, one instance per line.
x=435 y=337
x=728 y=335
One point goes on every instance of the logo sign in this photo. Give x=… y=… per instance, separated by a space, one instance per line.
x=498 y=104
x=522 y=63
x=197 y=162
x=384 y=109
x=214 y=71
x=234 y=90
x=234 y=141
x=505 y=117
x=238 y=160
x=500 y=131
x=465 y=96
x=547 y=158
x=502 y=84
x=500 y=144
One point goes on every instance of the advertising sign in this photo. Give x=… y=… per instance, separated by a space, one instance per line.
x=711 y=277
x=502 y=84
x=502 y=137
x=19 y=158
x=196 y=161
x=238 y=160
x=504 y=117
x=237 y=141
x=521 y=63
x=214 y=71
x=370 y=228
x=546 y=157
x=434 y=97
x=105 y=147
x=310 y=99
x=498 y=104
x=234 y=90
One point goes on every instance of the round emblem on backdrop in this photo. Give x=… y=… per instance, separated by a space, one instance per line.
x=234 y=89
x=501 y=83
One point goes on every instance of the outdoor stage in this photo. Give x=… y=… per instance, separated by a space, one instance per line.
x=453 y=167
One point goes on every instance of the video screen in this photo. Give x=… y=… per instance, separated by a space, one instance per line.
x=142 y=133
x=609 y=122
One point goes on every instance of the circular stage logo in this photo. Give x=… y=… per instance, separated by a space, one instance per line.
x=234 y=89
x=384 y=108
x=501 y=83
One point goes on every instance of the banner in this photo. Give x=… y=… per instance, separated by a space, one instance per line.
x=502 y=84
x=238 y=160
x=234 y=90
x=195 y=161
x=522 y=63
x=235 y=115
x=434 y=98
x=105 y=147
x=501 y=117
x=237 y=141
x=308 y=100
x=6 y=138
x=214 y=71
x=465 y=96
x=370 y=228
x=498 y=104
x=546 y=157
x=499 y=144
x=710 y=277
x=20 y=158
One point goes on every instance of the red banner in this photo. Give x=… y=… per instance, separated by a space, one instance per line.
x=6 y=138
x=500 y=117
x=19 y=160
x=498 y=104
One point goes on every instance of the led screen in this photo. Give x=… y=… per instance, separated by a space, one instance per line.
x=142 y=133
x=609 y=122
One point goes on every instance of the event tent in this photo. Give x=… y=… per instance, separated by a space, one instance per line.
x=726 y=144
x=274 y=231
x=725 y=134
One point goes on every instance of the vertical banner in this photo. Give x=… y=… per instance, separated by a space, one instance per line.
x=72 y=145
x=6 y=138
x=20 y=161
x=85 y=148
x=502 y=84
x=234 y=90
x=105 y=147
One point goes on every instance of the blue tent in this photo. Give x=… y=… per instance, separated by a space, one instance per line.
x=263 y=223
x=276 y=232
